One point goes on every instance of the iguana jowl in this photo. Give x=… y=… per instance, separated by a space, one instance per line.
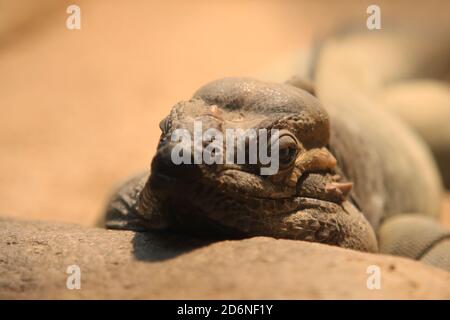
x=323 y=151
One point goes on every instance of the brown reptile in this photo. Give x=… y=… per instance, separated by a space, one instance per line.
x=328 y=143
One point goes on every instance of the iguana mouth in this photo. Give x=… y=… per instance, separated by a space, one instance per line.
x=221 y=214
x=207 y=197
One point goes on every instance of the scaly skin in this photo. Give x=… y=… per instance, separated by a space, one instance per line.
x=308 y=199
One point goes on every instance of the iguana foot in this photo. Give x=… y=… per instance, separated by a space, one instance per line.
x=122 y=209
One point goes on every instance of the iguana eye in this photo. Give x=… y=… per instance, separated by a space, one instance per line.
x=287 y=150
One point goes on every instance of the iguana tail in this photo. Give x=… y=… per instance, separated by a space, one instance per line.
x=417 y=237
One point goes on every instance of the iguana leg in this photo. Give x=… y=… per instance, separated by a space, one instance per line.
x=122 y=209
x=417 y=237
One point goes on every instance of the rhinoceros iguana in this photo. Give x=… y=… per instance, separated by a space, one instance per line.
x=351 y=174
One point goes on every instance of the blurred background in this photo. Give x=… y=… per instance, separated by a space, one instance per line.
x=80 y=108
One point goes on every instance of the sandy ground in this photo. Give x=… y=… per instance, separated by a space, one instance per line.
x=79 y=109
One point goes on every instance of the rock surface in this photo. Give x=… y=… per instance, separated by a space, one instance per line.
x=34 y=257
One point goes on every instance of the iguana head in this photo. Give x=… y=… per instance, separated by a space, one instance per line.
x=306 y=197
